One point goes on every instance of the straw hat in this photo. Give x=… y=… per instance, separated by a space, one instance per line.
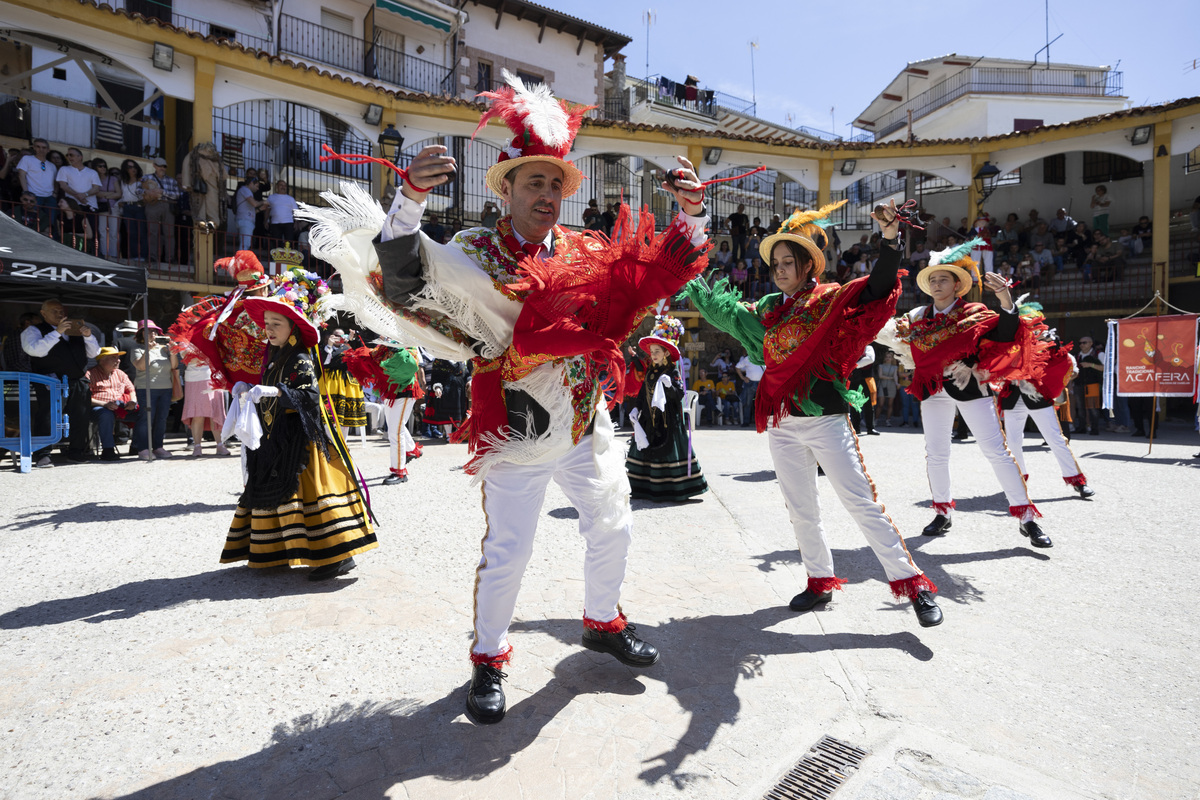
x=297 y=296
x=800 y=228
x=544 y=130
x=667 y=332
x=955 y=260
x=109 y=351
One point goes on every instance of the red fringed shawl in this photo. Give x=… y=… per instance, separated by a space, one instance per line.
x=938 y=340
x=823 y=337
x=584 y=301
x=236 y=352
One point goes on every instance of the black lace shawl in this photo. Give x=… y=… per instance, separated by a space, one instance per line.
x=295 y=420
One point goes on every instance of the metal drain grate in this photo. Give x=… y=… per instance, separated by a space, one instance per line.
x=819 y=774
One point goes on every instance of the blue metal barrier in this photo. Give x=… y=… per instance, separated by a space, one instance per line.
x=26 y=443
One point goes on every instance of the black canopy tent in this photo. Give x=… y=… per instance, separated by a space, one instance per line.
x=34 y=268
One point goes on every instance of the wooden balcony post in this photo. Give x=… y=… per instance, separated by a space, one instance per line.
x=1161 y=212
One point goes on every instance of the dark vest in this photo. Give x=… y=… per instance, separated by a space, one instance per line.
x=67 y=359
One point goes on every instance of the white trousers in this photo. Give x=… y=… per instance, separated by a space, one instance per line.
x=512 y=501
x=1046 y=420
x=396 y=413
x=798 y=445
x=937 y=417
x=374 y=415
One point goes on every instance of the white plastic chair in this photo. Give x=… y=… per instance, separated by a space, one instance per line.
x=691 y=400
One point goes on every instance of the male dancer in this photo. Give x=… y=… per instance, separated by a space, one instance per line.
x=544 y=310
x=1024 y=399
x=959 y=348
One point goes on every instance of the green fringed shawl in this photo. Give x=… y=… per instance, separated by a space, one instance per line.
x=721 y=305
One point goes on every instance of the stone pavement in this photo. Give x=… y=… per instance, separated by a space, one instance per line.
x=133 y=665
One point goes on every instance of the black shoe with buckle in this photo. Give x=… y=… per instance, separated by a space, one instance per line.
x=623 y=645
x=808 y=600
x=485 y=698
x=928 y=613
x=1085 y=491
x=1037 y=537
x=941 y=523
x=332 y=570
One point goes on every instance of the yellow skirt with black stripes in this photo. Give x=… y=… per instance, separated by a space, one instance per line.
x=323 y=523
x=347 y=397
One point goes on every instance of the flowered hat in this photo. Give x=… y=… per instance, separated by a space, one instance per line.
x=667 y=332
x=245 y=268
x=955 y=260
x=297 y=296
x=544 y=130
x=803 y=228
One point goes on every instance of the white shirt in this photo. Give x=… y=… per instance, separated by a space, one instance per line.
x=282 y=208
x=80 y=180
x=38 y=346
x=245 y=205
x=39 y=175
x=752 y=371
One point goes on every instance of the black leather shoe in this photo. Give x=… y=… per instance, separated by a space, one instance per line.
x=393 y=479
x=1085 y=491
x=1037 y=537
x=109 y=454
x=941 y=523
x=928 y=613
x=332 y=570
x=623 y=645
x=807 y=601
x=485 y=698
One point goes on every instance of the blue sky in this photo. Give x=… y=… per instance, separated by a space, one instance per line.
x=814 y=56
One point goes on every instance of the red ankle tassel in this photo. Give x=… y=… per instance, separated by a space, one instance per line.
x=910 y=587
x=615 y=625
x=1020 y=511
x=496 y=661
x=943 y=508
x=823 y=585
x=1025 y=477
x=1076 y=480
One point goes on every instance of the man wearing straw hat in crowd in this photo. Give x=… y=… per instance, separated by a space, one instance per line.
x=543 y=311
x=113 y=398
x=958 y=349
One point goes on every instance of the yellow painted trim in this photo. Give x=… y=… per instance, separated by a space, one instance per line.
x=824 y=181
x=1161 y=212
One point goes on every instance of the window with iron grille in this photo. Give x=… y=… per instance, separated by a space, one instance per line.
x=1054 y=169
x=1108 y=167
x=483 y=76
x=1191 y=162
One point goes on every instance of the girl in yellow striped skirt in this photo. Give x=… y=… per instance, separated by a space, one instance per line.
x=302 y=505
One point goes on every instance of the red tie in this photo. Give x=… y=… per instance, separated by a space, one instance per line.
x=534 y=250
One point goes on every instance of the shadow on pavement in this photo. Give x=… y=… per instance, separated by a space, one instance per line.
x=373 y=746
x=1181 y=460
x=761 y=476
x=87 y=513
x=156 y=594
x=860 y=566
x=703 y=659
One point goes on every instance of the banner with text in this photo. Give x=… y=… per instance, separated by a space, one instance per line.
x=1156 y=356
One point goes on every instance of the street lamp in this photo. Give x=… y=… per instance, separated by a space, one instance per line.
x=390 y=144
x=985 y=180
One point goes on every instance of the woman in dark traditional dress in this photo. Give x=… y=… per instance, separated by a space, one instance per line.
x=661 y=464
x=302 y=505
